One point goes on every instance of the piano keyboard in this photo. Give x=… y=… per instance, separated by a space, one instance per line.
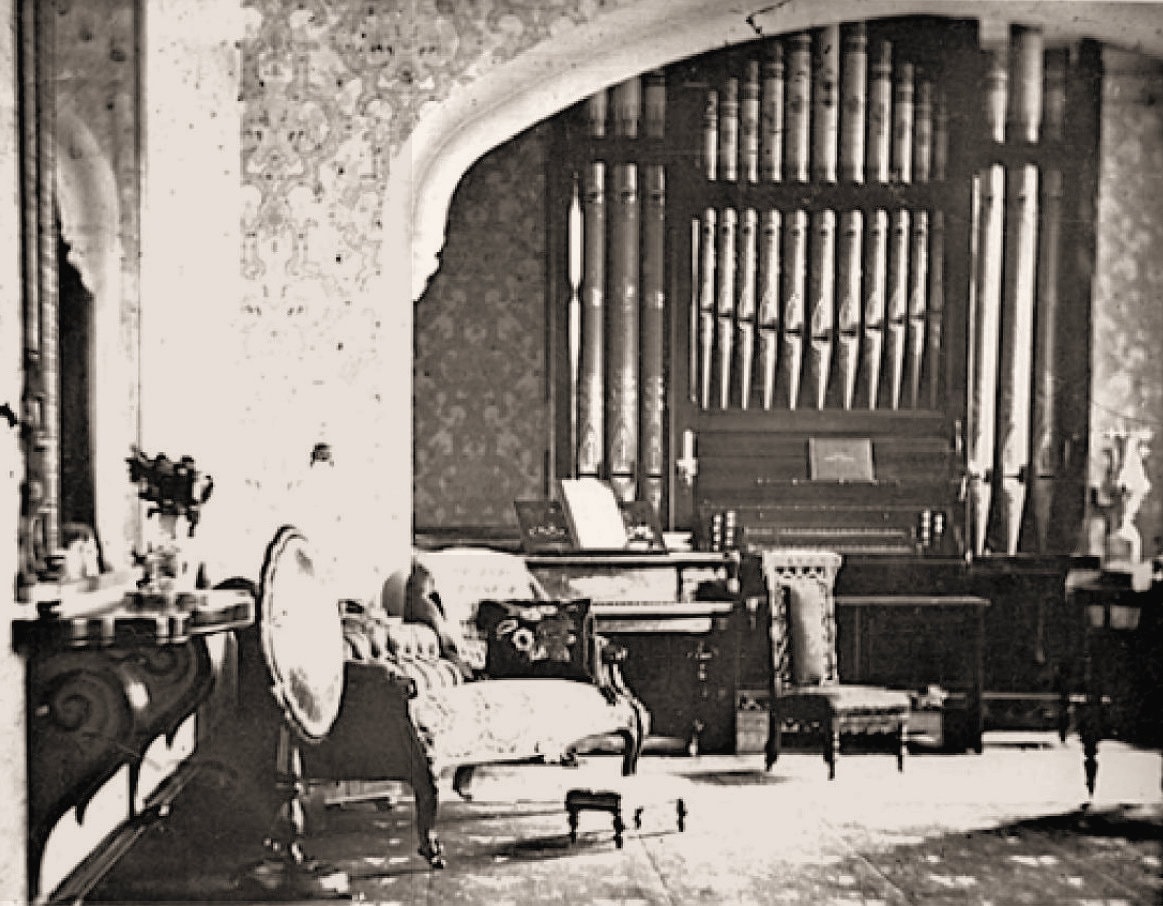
x=646 y=617
x=661 y=609
x=852 y=540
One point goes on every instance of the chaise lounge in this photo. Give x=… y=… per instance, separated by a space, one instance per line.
x=465 y=660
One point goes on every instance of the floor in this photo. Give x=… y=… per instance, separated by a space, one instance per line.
x=1003 y=827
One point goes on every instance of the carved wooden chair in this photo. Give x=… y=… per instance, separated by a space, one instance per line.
x=807 y=694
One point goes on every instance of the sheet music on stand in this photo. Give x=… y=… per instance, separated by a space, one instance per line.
x=593 y=514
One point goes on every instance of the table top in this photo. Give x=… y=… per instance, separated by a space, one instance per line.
x=119 y=617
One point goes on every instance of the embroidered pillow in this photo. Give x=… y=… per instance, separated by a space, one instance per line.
x=536 y=638
x=811 y=642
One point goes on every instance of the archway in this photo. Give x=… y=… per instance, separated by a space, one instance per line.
x=486 y=112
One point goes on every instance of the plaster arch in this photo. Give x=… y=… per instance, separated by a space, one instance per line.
x=481 y=114
x=643 y=35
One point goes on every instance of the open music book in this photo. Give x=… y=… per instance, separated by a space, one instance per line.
x=593 y=514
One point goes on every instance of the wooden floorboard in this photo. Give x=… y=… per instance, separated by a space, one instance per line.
x=1006 y=826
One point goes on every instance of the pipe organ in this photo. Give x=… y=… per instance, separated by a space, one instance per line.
x=846 y=240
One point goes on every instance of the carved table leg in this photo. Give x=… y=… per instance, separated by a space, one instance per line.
x=1089 y=729
x=286 y=872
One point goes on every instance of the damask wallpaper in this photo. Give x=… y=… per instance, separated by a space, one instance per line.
x=330 y=89
x=479 y=419
x=1127 y=383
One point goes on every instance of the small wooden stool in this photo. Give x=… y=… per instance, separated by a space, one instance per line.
x=611 y=802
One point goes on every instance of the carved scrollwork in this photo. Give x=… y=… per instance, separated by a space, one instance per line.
x=83 y=709
x=177 y=677
x=94 y=712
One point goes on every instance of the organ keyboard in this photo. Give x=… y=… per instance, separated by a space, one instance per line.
x=910 y=504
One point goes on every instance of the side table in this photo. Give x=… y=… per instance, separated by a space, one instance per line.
x=1118 y=659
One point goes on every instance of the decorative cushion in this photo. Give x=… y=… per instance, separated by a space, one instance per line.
x=809 y=629
x=537 y=638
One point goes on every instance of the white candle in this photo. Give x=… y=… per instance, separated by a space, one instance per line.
x=688 y=444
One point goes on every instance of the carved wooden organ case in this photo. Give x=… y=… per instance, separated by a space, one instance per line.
x=831 y=289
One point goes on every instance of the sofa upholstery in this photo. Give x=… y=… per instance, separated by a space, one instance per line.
x=419 y=700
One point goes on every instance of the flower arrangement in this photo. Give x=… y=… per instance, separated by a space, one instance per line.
x=175 y=490
x=174 y=487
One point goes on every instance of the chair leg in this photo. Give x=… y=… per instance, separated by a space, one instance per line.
x=774 y=739
x=631 y=751
x=462 y=781
x=427 y=800
x=635 y=739
x=831 y=745
x=902 y=744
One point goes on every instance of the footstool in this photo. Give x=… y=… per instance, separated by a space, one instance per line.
x=612 y=802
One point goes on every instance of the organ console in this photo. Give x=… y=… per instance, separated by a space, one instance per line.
x=865 y=253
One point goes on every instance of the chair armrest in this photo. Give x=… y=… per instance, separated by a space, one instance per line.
x=607 y=668
x=364 y=674
x=609 y=652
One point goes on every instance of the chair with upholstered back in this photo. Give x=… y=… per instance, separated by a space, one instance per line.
x=807 y=694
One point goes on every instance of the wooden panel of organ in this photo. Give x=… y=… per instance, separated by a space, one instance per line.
x=876 y=233
x=890 y=235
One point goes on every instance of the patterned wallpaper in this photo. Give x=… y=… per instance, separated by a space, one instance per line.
x=1128 y=304
x=330 y=89
x=480 y=348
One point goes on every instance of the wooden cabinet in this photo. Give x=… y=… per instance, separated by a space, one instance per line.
x=917 y=641
x=1031 y=637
